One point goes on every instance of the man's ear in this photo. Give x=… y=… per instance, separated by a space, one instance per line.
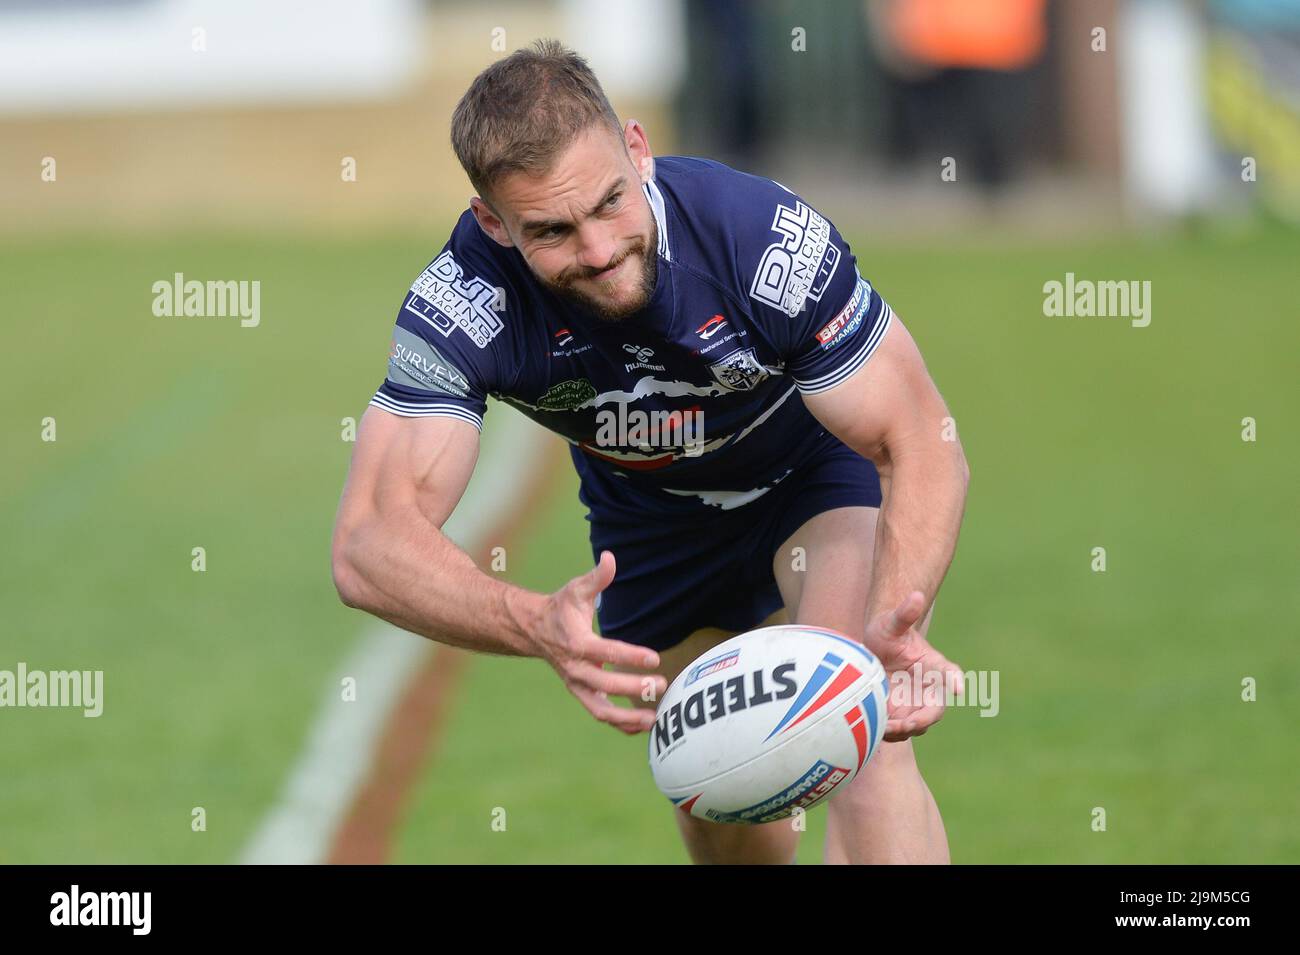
x=638 y=147
x=490 y=222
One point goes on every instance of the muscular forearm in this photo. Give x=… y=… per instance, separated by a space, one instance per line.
x=916 y=534
x=402 y=568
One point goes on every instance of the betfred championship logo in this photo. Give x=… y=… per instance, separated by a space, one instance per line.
x=849 y=318
x=810 y=788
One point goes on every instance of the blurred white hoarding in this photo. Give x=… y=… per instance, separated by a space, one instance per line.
x=89 y=55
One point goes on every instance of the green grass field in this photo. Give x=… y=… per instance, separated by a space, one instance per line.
x=1119 y=690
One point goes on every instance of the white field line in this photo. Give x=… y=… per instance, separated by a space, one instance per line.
x=335 y=760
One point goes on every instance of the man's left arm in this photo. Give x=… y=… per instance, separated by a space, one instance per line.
x=860 y=374
x=890 y=412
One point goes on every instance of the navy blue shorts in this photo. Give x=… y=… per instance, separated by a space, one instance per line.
x=677 y=576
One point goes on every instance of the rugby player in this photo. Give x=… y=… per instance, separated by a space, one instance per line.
x=589 y=280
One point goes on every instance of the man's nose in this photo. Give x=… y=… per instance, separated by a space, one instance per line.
x=598 y=247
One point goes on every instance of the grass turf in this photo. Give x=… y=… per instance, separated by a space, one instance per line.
x=1119 y=690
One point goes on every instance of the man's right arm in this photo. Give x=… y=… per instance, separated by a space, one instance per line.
x=391 y=559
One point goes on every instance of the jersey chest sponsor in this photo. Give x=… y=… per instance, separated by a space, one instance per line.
x=567 y=395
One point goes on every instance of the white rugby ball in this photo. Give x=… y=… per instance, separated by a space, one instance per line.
x=772 y=720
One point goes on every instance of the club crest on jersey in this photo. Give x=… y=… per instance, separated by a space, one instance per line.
x=446 y=301
x=739 y=370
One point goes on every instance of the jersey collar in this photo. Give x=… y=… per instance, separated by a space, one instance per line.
x=656 y=198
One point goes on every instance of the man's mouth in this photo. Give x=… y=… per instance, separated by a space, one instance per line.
x=610 y=272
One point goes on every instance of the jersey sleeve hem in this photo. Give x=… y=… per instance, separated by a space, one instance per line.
x=815 y=386
x=407 y=409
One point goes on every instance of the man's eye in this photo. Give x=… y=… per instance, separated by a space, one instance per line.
x=612 y=201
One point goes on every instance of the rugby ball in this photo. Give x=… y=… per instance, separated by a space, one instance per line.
x=771 y=721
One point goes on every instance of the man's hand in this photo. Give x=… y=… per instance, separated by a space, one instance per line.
x=899 y=647
x=564 y=638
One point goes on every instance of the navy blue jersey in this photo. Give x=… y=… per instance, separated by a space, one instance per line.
x=691 y=403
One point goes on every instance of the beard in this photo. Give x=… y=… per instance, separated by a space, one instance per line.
x=646 y=278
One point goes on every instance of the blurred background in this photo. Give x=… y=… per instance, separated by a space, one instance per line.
x=170 y=481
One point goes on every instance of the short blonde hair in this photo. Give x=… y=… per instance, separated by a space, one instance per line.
x=523 y=111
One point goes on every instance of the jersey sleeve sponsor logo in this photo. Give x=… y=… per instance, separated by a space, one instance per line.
x=829 y=379
x=739 y=370
x=415 y=363
x=797 y=268
x=443 y=298
x=846 y=322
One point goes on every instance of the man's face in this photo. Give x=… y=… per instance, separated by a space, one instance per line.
x=584 y=227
